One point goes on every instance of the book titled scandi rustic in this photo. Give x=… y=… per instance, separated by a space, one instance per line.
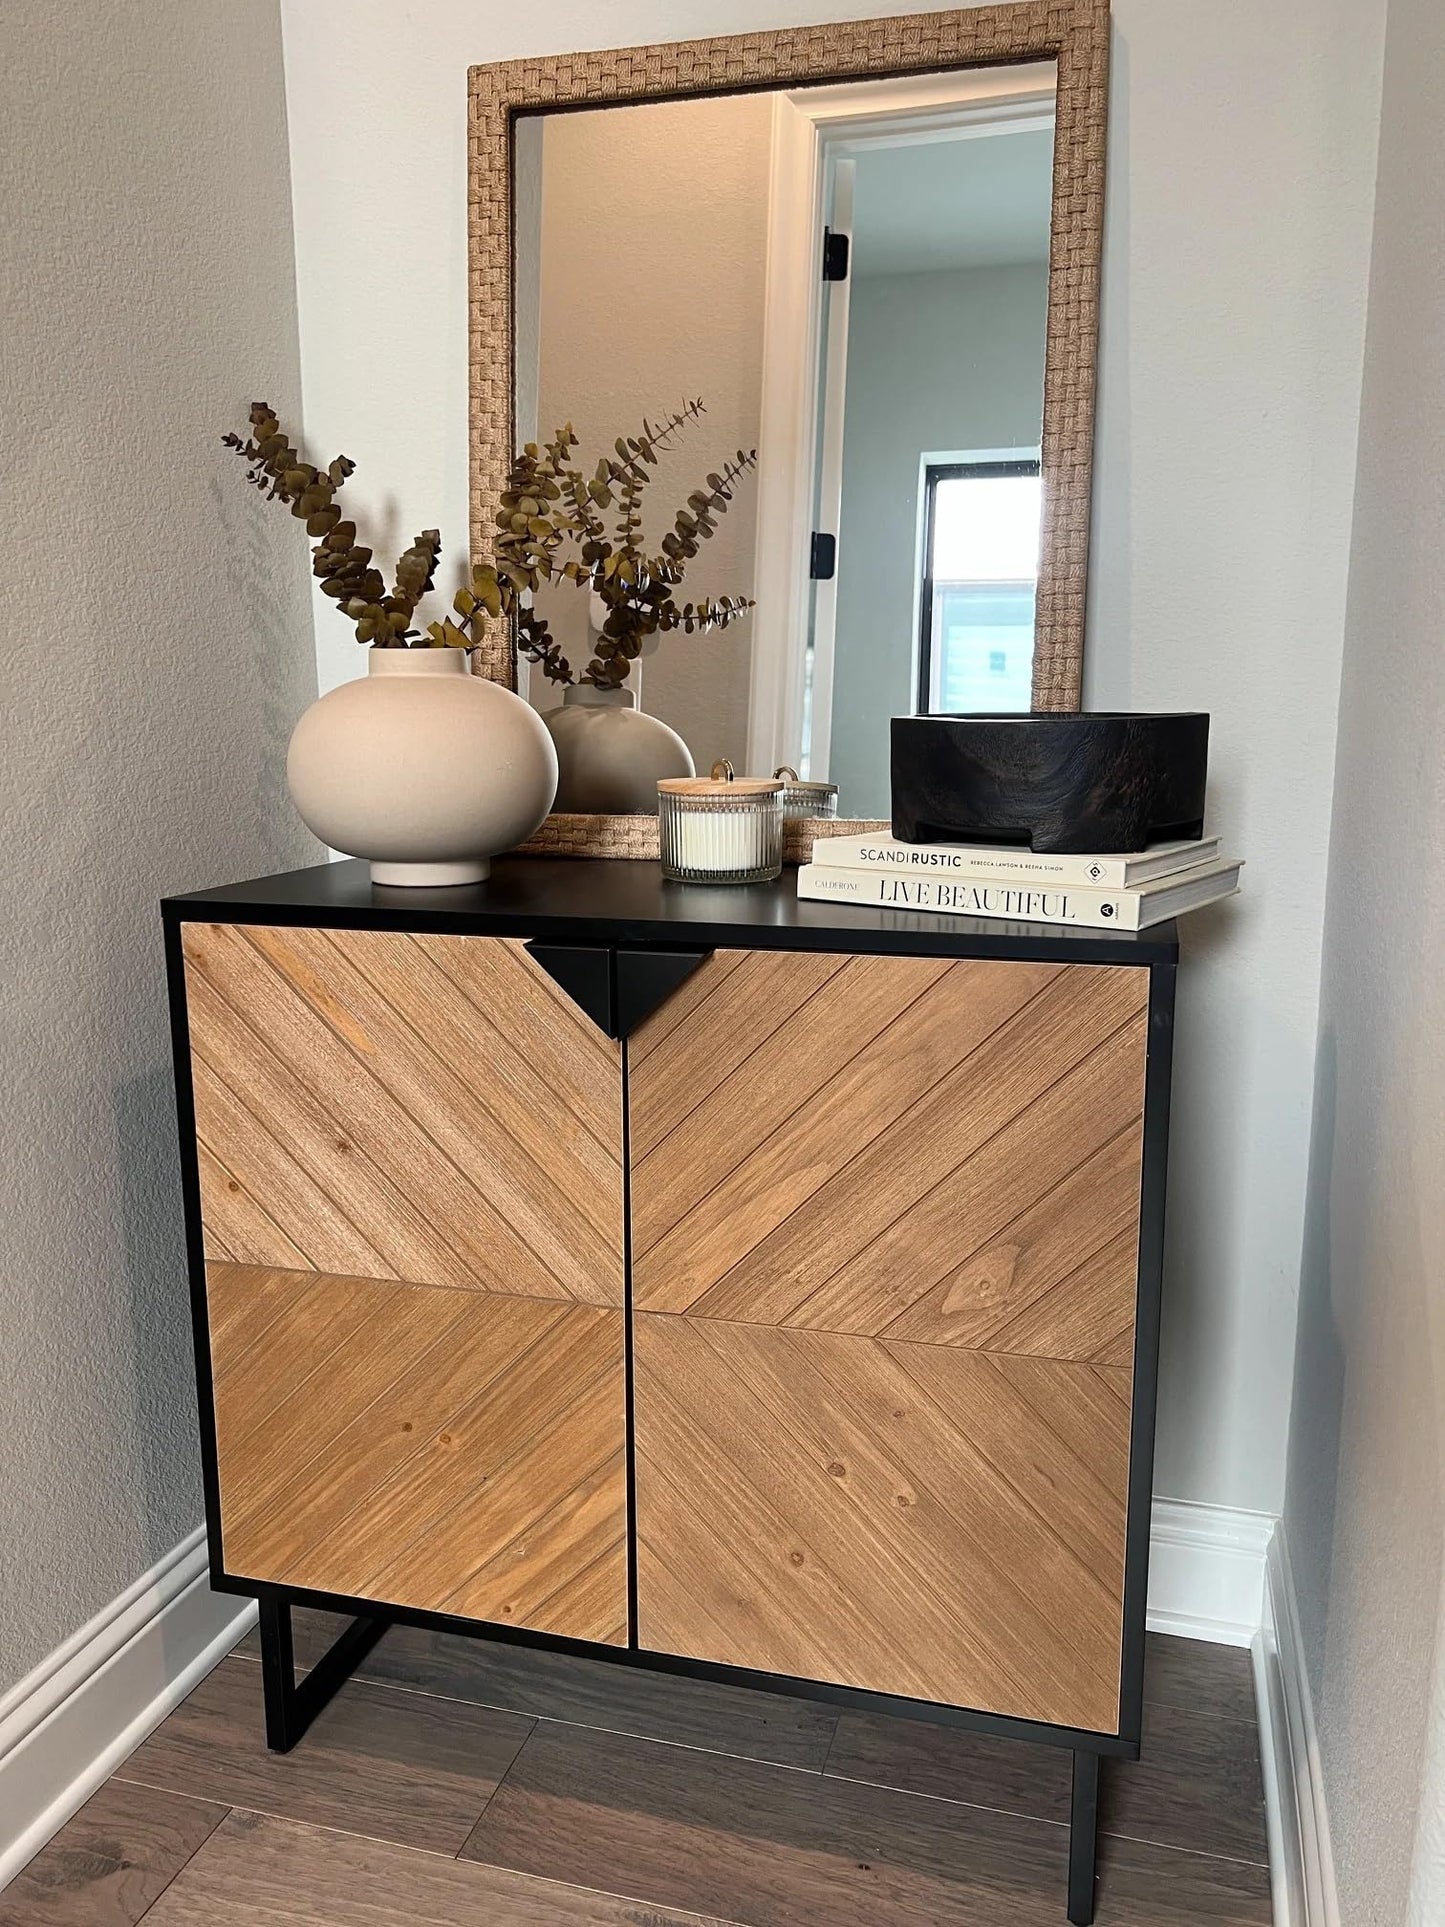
x=1134 y=909
x=1013 y=865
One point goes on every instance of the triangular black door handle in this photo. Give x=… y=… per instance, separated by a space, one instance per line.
x=647 y=978
x=585 y=974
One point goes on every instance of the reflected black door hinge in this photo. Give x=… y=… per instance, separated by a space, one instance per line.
x=835 y=256
x=822 y=556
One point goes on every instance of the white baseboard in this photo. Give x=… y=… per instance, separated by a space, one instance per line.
x=1302 y=1868
x=68 y=1725
x=1206 y=1571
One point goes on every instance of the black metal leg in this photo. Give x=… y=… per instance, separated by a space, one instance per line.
x=292 y=1705
x=1083 y=1838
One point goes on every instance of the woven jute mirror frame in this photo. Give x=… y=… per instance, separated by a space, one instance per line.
x=1074 y=33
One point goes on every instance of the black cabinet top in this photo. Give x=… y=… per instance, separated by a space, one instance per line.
x=590 y=900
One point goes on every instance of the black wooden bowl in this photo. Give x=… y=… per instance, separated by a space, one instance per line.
x=1092 y=782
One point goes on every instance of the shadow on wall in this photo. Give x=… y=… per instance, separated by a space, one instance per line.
x=157 y=1299
x=267 y=653
x=1203 y=1221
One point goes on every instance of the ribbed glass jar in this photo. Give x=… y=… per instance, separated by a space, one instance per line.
x=803 y=798
x=720 y=829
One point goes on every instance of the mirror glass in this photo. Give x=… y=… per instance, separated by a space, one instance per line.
x=854 y=281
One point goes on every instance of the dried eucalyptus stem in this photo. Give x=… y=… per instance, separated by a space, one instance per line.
x=549 y=506
x=344 y=566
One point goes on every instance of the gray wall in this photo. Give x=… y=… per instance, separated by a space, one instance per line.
x=626 y=334
x=939 y=363
x=158 y=647
x=1239 y=200
x=1365 y=1504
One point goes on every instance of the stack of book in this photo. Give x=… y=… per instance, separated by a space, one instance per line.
x=969 y=880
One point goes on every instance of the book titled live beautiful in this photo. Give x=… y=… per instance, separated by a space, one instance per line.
x=1011 y=864
x=1131 y=909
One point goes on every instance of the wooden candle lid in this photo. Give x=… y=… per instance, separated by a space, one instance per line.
x=718 y=786
x=721 y=783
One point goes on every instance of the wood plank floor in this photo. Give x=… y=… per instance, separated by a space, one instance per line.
x=456 y=1783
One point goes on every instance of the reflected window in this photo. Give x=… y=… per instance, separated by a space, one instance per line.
x=980 y=573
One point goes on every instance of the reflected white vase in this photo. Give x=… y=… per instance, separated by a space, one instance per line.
x=421 y=767
x=610 y=755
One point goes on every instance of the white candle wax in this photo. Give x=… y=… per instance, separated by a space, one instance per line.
x=719 y=842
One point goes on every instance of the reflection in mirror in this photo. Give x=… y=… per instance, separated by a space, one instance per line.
x=854 y=279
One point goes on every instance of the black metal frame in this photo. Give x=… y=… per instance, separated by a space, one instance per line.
x=644 y=913
x=291 y=1706
x=1083 y=1838
x=933 y=474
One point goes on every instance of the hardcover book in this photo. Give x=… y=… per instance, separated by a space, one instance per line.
x=1133 y=909
x=1013 y=865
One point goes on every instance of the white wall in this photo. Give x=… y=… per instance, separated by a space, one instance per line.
x=633 y=323
x=937 y=363
x=1365 y=1514
x=157 y=653
x=1238 y=231
x=1241 y=164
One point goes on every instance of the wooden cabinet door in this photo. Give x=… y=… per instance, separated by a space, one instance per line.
x=885 y=1233
x=411 y=1194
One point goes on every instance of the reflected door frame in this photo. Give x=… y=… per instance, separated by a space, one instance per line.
x=800 y=440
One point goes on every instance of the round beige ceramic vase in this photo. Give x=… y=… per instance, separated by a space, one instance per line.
x=421 y=767
x=610 y=754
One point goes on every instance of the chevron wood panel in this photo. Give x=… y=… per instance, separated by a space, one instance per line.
x=456 y=1450
x=730 y=1014
x=923 y=1149
x=885 y=1266
x=700 y=1215
x=426 y=1109
x=1059 y=1279
x=918 y=1519
x=680 y=1149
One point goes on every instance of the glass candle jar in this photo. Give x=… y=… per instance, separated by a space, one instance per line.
x=802 y=798
x=720 y=829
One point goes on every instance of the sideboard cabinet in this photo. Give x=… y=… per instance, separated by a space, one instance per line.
x=694 y=1277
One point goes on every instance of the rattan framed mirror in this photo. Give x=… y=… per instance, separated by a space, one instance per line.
x=1072 y=34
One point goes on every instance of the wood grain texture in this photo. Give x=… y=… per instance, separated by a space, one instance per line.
x=432 y=1109
x=585 y=1692
x=729 y=1015
x=411 y=1191
x=722 y=1836
x=396 y=1766
x=1197 y=1784
x=108 y=1864
x=1192 y=1672
x=885 y=1273
x=736 y=1184
x=911 y=1519
x=1196 y=1787
x=727 y=1836
x=262 y=1872
x=948 y=1763
x=713 y=1071
x=1059 y=1279
x=901 y=1132
x=1081 y=784
x=450 y=1449
x=651 y=1829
